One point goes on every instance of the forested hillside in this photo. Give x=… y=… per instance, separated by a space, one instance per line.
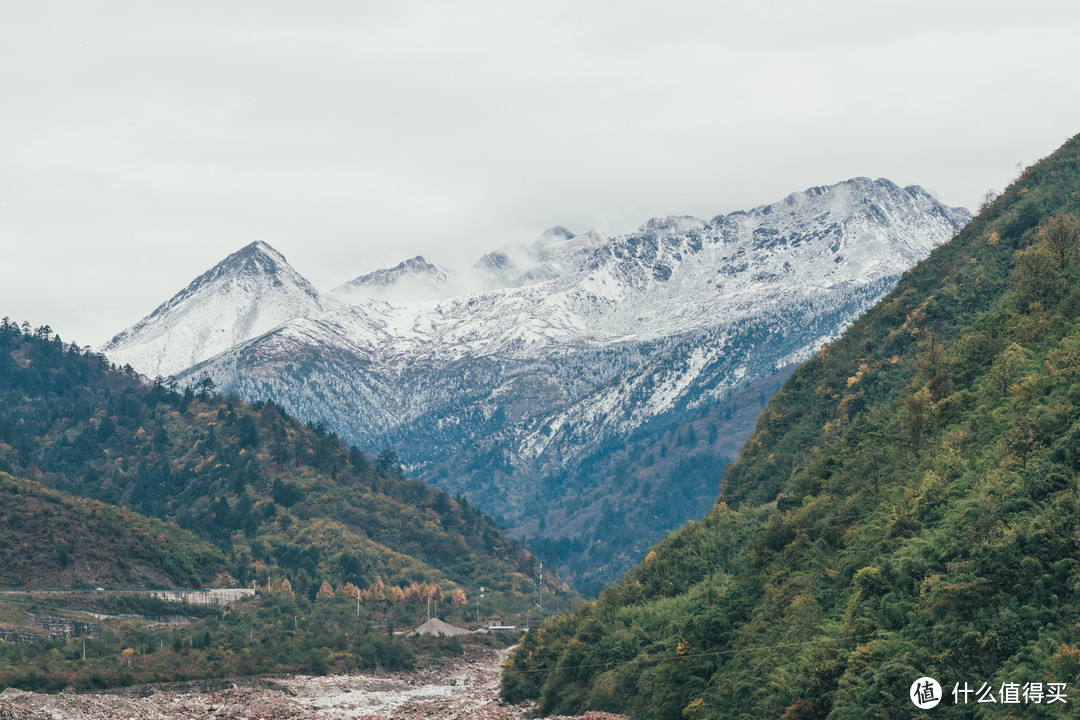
x=52 y=540
x=907 y=506
x=281 y=500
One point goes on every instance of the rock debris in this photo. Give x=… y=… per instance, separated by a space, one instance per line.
x=454 y=691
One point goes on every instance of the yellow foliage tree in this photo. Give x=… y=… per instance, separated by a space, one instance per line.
x=325 y=592
x=427 y=592
x=375 y=591
x=413 y=592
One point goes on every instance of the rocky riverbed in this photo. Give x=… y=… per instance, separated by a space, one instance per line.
x=468 y=689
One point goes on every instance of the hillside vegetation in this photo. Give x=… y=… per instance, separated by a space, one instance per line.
x=108 y=481
x=136 y=639
x=906 y=506
x=282 y=501
x=53 y=540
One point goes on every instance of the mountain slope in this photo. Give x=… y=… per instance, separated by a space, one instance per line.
x=555 y=253
x=520 y=397
x=282 y=500
x=905 y=507
x=52 y=540
x=247 y=294
x=412 y=279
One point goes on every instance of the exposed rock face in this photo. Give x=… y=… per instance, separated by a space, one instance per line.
x=54 y=627
x=64 y=628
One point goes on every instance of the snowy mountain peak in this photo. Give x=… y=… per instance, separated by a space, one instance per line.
x=555 y=253
x=257 y=248
x=839 y=193
x=260 y=252
x=556 y=234
x=250 y=292
x=412 y=279
x=254 y=260
x=673 y=224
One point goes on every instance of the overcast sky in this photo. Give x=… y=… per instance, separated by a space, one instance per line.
x=141 y=142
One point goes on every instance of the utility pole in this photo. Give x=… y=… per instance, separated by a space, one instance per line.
x=540 y=590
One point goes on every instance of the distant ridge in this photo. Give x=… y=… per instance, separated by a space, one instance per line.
x=413 y=278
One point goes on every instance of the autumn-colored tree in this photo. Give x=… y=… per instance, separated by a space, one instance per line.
x=351 y=591
x=325 y=592
x=458 y=597
x=413 y=593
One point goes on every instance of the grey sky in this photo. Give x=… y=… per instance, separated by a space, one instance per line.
x=141 y=142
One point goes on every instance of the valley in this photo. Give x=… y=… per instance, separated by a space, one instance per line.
x=906 y=507
x=535 y=392
x=501 y=361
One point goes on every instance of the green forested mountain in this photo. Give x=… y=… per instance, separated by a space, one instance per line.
x=281 y=500
x=52 y=540
x=907 y=506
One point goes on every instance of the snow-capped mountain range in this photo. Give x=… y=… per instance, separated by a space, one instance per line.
x=511 y=381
